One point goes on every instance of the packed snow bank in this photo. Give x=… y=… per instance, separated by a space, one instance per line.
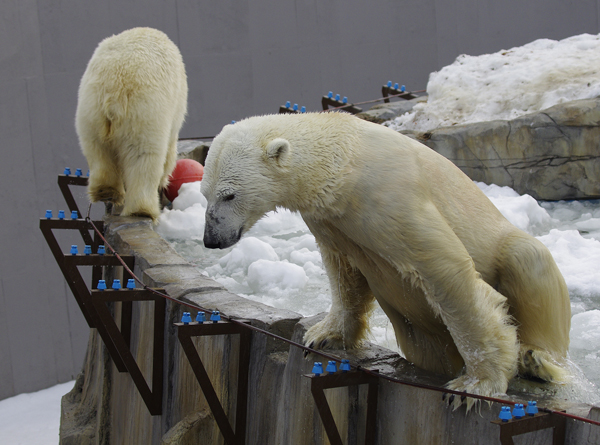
x=508 y=84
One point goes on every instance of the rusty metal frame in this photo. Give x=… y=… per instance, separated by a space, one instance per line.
x=121 y=340
x=390 y=91
x=318 y=385
x=185 y=332
x=528 y=424
x=327 y=102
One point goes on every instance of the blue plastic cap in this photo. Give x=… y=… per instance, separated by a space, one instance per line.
x=518 y=411
x=389 y=84
x=187 y=318
x=531 y=409
x=67 y=171
x=396 y=86
x=116 y=284
x=74 y=214
x=345 y=366
x=288 y=104
x=295 y=107
x=317 y=368
x=74 y=249
x=337 y=97
x=101 y=285
x=201 y=317
x=303 y=109
x=232 y=122
x=505 y=415
x=403 y=88
x=131 y=283
x=331 y=367
x=101 y=250
x=215 y=317
x=87 y=250
x=61 y=214
x=48 y=214
x=345 y=100
x=330 y=94
x=78 y=172
x=88 y=173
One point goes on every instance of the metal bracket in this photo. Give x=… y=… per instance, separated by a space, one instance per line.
x=339 y=105
x=396 y=92
x=318 y=385
x=185 y=332
x=529 y=424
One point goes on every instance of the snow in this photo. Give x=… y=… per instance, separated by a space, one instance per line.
x=508 y=84
x=32 y=418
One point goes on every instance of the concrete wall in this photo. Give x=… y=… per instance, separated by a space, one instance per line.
x=242 y=58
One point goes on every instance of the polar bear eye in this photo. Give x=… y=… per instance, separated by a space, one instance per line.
x=229 y=197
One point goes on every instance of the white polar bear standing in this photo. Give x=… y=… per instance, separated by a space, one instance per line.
x=132 y=103
x=469 y=295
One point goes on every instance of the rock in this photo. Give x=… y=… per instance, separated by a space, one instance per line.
x=551 y=155
x=195 y=149
x=384 y=112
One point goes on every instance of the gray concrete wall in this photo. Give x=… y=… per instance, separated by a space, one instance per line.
x=242 y=58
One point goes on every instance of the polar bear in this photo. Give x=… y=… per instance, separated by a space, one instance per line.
x=132 y=103
x=469 y=295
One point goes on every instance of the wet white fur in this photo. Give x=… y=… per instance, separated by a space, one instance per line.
x=469 y=295
x=132 y=103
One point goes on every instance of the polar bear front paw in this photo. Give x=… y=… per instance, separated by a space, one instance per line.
x=473 y=385
x=332 y=333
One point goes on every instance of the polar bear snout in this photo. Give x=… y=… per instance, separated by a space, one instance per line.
x=220 y=235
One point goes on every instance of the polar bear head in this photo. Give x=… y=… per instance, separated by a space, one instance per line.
x=242 y=181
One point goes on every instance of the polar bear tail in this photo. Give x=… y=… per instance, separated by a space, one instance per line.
x=540 y=364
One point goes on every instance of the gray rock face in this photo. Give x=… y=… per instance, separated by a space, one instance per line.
x=384 y=112
x=551 y=155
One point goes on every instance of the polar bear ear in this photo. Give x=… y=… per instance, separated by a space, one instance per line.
x=278 y=150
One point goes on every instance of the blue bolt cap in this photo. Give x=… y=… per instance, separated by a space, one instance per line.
x=303 y=109
x=232 y=122
x=505 y=414
x=337 y=97
x=317 y=368
x=531 y=409
x=330 y=94
x=345 y=366
x=61 y=214
x=78 y=172
x=48 y=214
x=74 y=249
x=101 y=250
x=201 y=317
x=101 y=285
x=88 y=172
x=295 y=107
x=288 y=104
x=403 y=88
x=130 y=284
x=389 y=84
x=187 y=318
x=518 y=411
x=345 y=100
x=215 y=317
x=116 y=284
x=396 y=86
x=331 y=367
x=87 y=250
x=74 y=214
x=67 y=171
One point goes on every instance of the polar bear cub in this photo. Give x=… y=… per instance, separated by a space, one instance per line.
x=469 y=295
x=132 y=103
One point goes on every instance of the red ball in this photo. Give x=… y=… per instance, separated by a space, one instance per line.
x=186 y=170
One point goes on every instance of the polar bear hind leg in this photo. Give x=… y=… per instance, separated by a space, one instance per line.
x=539 y=301
x=105 y=183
